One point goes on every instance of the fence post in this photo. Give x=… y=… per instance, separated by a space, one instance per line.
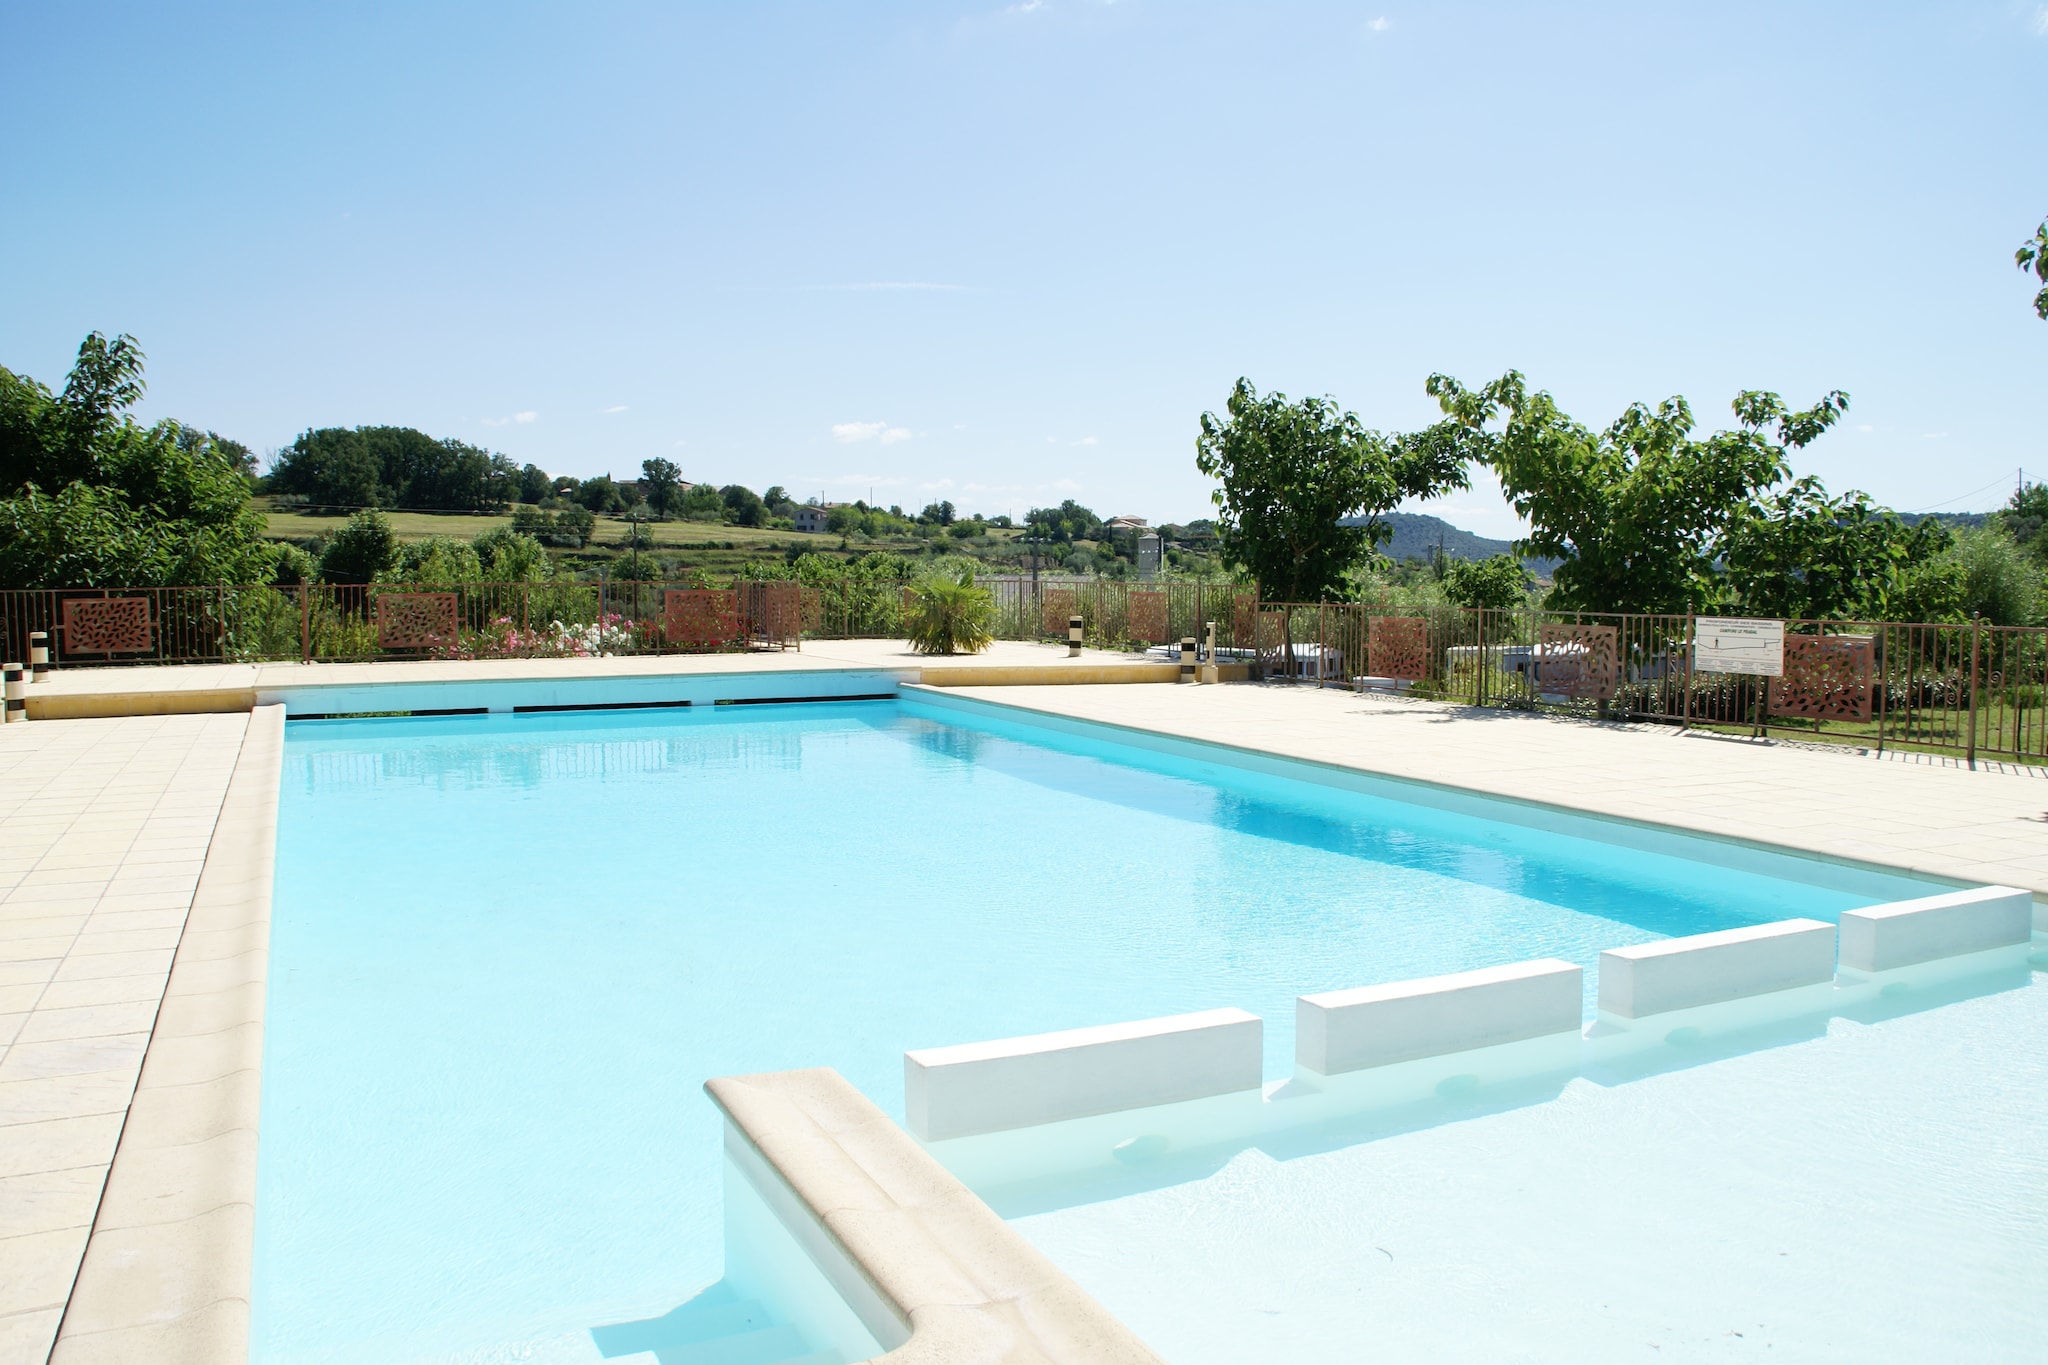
x=1479 y=659
x=1976 y=632
x=1692 y=632
x=305 y=622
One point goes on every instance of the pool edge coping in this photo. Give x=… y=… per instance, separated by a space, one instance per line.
x=958 y=1280
x=167 y=1268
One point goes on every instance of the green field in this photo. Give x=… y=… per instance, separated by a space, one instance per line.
x=711 y=547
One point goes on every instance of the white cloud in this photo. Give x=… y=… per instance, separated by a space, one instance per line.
x=1866 y=427
x=1025 y=7
x=614 y=408
x=870 y=431
x=1066 y=485
x=1379 y=25
x=682 y=443
x=1087 y=441
x=2041 y=21
x=526 y=419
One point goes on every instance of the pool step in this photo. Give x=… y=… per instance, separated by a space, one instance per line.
x=715 y=1328
x=777 y=1345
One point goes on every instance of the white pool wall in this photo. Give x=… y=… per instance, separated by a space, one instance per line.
x=1886 y=937
x=972 y=1088
x=1349 y=1030
x=1706 y=969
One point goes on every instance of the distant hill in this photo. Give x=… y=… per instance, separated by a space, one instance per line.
x=1955 y=521
x=1417 y=536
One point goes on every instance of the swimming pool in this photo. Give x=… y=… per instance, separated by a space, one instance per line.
x=507 y=951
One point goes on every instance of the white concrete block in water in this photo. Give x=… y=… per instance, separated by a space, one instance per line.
x=1706 y=969
x=1905 y=932
x=951 y=1092
x=1350 y=1030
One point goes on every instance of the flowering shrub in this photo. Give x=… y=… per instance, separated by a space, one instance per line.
x=608 y=635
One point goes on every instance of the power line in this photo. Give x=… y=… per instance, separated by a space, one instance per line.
x=1952 y=501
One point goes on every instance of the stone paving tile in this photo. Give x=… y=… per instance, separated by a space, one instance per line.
x=101 y=846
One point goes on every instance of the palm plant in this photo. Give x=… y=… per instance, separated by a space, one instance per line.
x=945 y=613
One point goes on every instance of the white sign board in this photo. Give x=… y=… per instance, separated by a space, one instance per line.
x=1738 y=644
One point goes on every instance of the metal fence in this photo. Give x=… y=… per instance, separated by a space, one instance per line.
x=353 y=622
x=1970 y=689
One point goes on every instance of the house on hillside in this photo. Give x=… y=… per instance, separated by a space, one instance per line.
x=1126 y=524
x=811 y=517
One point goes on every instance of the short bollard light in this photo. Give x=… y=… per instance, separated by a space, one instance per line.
x=1073 y=637
x=38 y=655
x=17 y=693
x=1187 y=658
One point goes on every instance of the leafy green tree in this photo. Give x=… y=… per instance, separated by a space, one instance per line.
x=2025 y=516
x=779 y=503
x=506 y=556
x=534 y=484
x=2032 y=257
x=91 y=498
x=743 y=506
x=1497 y=584
x=363 y=550
x=393 y=467
x=600 y=495
x=948 y=613
x=1805 y=555
x=662 y=482
x=1636 y=513
x=1069 y=521
x=938 y=514
x=295 y=565
x=1999 y=581
x=1291 y=472
x=437 y=561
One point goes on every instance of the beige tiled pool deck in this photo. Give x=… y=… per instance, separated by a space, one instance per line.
x=109 y=823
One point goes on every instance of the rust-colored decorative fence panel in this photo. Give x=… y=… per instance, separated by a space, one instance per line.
x=773 y=610
x=1827 y=677
x=700 y=618
x=415 y=620
x=1398 y=647
x=107 y=625
x=1579 y=661
x=1148 y=617
x=1056 y=607
x=1244 y=619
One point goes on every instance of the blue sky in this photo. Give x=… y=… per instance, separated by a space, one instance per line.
x=1009 y=254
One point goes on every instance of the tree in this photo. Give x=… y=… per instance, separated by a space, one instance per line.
x=1802 y=554
x=1069 y=521
x=2033 y=256
x=600 y=495
x=743 y=506
x=393 y=467
x=2025 y=516
x=534 y=484
x=938 y=514
x=1291 y=472
x=91 y=498
x=1637 y=513
x=1497 y=584
x=363 y=549
x=780 y=504
x=663 y=484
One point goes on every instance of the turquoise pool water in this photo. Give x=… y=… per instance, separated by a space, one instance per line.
x=507 y=951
